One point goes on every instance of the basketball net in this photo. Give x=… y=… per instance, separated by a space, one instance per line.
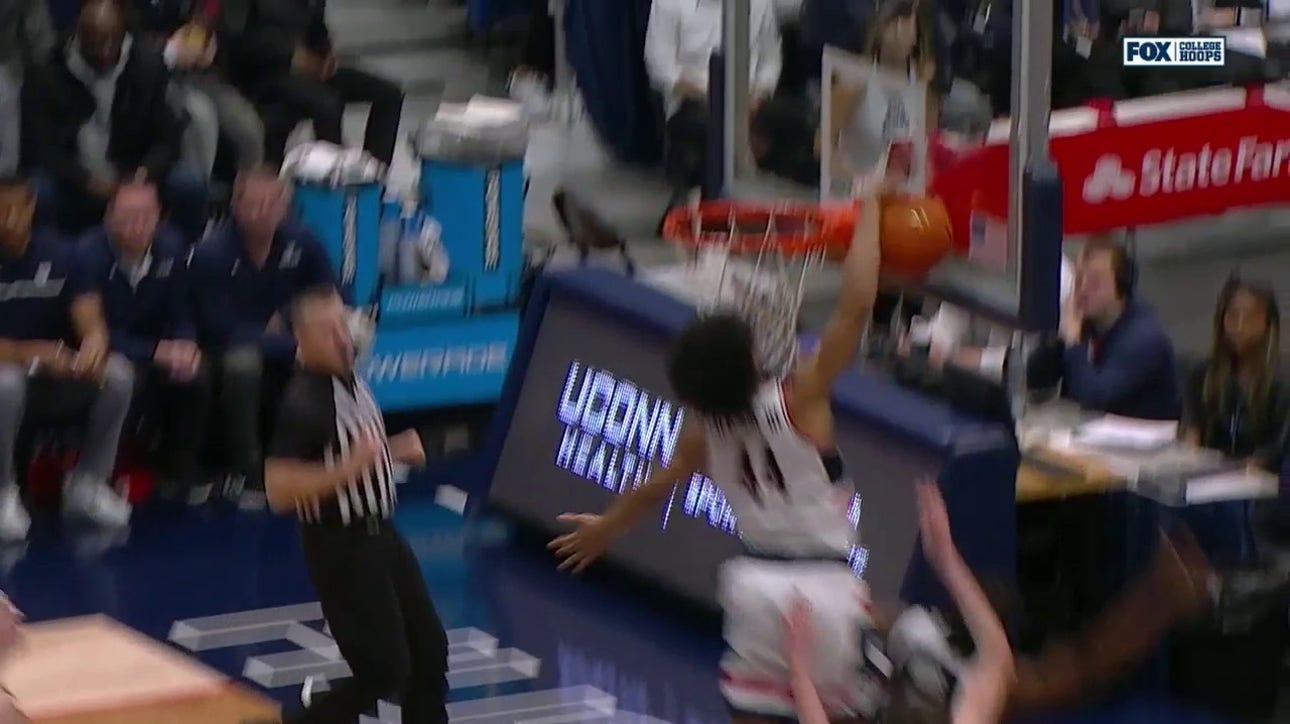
x=762 y=283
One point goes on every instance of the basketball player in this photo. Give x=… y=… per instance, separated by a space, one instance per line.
x=981 y=684
x=330 y=463
x=768 y=443
x=930 y=680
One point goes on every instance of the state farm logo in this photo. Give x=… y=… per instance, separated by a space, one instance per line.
x=1109 y=180
x=1165 y=171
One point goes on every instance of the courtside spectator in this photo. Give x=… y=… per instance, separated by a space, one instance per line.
x=105 y=117
x=1236 y=401
x=1113 y=354
x=681 y=37
x=138 y=268
x=55 y=362
x=26 y=38
x=244 y=277
x=282 y=55
x=186 y=32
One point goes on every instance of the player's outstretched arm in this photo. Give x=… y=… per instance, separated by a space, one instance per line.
x=841 y=338
x=801 y=644
x=985 y=685
x=593 y=534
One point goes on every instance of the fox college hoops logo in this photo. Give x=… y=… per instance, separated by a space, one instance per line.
x=1109 y=180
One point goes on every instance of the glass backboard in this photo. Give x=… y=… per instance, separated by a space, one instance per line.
x=867 y=113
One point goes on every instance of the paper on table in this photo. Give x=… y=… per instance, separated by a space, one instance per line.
x=1231 y=485
x=1126 y=433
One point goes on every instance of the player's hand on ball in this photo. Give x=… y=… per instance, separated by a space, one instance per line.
x=878 y=183
x=580 y=548
x=934 y=524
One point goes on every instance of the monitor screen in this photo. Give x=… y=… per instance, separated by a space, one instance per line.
x=594 y=415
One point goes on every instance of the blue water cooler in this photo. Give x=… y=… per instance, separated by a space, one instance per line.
x=348 y=221
x=480 y=208
x=441 y=274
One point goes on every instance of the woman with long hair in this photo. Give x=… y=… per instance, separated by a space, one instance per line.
x=1237 y=402
x=893 y=103
x=884 y=115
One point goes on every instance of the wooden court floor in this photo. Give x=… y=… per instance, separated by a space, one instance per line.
x=94 y=670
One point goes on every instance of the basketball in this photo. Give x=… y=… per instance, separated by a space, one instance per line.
x=915 y=235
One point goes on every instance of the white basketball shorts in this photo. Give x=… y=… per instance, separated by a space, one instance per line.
x=756 y=596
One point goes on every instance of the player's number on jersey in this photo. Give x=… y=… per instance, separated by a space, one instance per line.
x=768 y=476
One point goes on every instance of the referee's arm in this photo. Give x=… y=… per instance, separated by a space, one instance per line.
x=296 y=470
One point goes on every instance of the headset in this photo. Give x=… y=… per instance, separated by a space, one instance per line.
x=1126 y=271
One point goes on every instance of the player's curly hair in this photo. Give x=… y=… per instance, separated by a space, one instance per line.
x=713 y=367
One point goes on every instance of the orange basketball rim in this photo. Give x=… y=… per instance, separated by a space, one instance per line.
x=750 y=228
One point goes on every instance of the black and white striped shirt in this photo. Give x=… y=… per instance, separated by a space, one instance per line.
x=321 y=418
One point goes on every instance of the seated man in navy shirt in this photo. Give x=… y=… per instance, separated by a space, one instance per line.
x=138 y=267
x=54 y=363
x=244 y=277
x=1113 y=355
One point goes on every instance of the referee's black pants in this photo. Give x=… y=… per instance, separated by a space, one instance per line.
x=375 y=601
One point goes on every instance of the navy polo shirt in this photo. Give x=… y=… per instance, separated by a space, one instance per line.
x=235 y=299
x=1127 y=370
x=142 y=306
x=35 y=293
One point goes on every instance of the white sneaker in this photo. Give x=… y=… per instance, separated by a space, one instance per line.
x=14 y=520
x=95 y=501
x=252 y=501
x=307 y=692
x=233 y=487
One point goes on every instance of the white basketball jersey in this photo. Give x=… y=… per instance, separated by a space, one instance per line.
x=784 y=500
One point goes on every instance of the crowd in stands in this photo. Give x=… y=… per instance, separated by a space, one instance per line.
x=180 y=93
x=120 y=123
x=960 y=49
x=128 y=327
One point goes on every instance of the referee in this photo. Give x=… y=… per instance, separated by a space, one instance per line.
x=330 y=464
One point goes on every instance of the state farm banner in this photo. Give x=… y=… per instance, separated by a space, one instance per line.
x=1143 y=162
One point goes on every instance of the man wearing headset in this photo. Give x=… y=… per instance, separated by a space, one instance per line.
x=1112 y=354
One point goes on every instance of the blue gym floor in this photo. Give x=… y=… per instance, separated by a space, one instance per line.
x=528 y=644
